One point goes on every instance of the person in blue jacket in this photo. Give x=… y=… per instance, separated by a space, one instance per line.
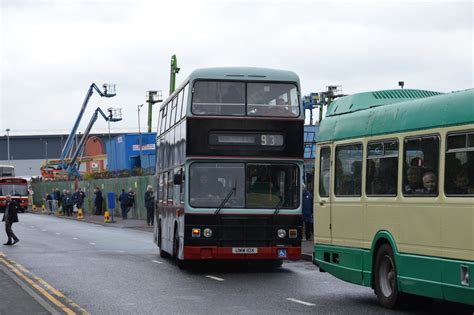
x=307 y=212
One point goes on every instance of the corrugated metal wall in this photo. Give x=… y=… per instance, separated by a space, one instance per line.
x=138 y=184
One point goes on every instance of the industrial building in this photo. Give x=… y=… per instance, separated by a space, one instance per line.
x=29 y=149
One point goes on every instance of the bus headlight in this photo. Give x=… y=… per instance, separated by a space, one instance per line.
x=281 y=233
x=207 y=232
x=196 y=232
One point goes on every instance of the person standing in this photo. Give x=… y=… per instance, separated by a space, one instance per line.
x=307 y=212
x=131 y=200
x=123 y=200
x=68 y=203
x=149 y=205
x=49 y=203
x=9 y=217
x=98 y=201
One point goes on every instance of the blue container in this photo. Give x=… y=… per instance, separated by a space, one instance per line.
x=124 y=152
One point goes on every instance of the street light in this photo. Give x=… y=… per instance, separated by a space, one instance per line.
x=46 y=151
x=8 y=144
x=140 y=133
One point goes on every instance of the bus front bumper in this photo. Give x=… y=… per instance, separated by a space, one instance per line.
x=239 y=253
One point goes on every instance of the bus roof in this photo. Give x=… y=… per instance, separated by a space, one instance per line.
x=244 y=73
x=237 y=73
x=392 y=111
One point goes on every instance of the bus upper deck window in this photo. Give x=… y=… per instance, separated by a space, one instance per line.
x=272 y=99
x=220 y=98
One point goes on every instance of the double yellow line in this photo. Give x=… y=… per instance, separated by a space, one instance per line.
x=45 y=290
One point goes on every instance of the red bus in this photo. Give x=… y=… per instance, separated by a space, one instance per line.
x=17 y=188
x=229 y=167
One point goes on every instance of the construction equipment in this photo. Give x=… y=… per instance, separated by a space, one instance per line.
x=68 y=164
x=173 y=73
x=73 y=164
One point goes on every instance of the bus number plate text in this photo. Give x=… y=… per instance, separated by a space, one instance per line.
x=244 y=250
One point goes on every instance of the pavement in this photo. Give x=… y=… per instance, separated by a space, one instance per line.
x=14 y=297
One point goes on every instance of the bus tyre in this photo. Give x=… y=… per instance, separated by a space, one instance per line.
x=385 y=276
x=175 y=243
x=276 y=263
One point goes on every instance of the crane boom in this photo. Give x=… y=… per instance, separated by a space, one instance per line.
x=70 y=139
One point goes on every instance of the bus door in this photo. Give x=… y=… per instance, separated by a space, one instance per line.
x=322 y=193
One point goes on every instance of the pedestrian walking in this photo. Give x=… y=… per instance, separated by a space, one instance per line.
x=9 y=217
x=98 y=201
x=79 y=197
x=131 y=199
x=123 y=200
x=307 y=213
x=149 y=205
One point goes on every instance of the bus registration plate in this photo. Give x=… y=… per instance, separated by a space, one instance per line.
x=244 y=250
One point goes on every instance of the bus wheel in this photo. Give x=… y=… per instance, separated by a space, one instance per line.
x=385 y=276
x=276 y=263
x=175 y=243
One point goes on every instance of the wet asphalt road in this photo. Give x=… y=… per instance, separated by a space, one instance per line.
x=109 y=270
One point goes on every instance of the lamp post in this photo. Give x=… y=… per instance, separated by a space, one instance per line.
x=140 y=133
x=8 y=144
x=46 y=151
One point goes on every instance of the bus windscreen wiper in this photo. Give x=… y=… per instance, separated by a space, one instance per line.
x=278 y=206
x=225 y=200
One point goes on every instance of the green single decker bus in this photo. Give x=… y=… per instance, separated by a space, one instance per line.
x=394 y=194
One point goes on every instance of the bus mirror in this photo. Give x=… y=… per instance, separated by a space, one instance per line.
x=177 y=179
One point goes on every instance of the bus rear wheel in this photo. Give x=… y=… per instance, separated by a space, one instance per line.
x=385 y=276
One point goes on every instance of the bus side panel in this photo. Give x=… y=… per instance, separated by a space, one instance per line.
x=345 y=263
x=453 y=290
x=167 y=218
x=435 y=277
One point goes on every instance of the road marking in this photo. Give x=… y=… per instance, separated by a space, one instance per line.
x=92 y=243
x=214 y=278
x=32 y=226
x=157 y=262
x=301 y=302
x=97 y=225
x=75 y=238
x=121 y=251
x=43 y=230
x=58 y=233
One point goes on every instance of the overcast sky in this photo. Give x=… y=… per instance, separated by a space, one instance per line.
x=51 y=51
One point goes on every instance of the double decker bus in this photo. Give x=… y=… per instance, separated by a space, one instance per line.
x=229 y=167
x=394 y=195
x=7 y=171
x=17 y=188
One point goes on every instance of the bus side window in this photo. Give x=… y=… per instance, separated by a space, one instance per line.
x=382 y=168
x=420 y=171
x=348 y=170
x=459 y=167
x=170 y=188
x=160 y=189
x=165 y=188
x=324 y=171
